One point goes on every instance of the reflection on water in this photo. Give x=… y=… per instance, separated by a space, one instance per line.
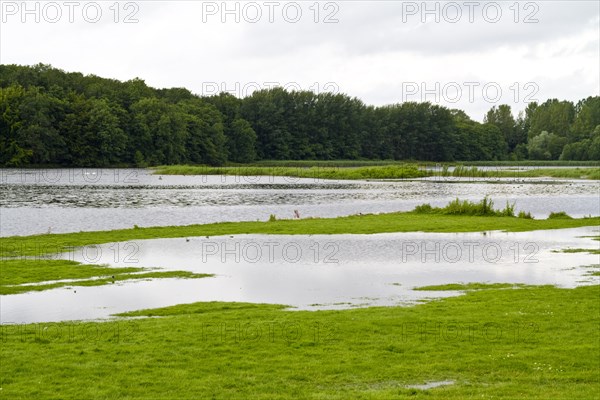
x=313 y=272
x=71 y=200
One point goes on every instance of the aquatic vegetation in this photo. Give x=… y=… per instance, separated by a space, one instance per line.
x=465 y=207
x=523 y=214
x=403 y=171
x=375 y=171
x=559 y=215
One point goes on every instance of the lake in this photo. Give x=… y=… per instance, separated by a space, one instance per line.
x=34 y=201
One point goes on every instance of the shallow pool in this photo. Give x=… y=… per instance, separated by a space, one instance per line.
x=313 y=272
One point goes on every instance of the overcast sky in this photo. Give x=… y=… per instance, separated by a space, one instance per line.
x=475 y=55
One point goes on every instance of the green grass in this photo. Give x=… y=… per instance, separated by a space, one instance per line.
x=559 y=215
x=534 y=343
x=593 y=267
x=485 y=207
x=590 y=251
x=326 y=163
x=566 y=173
x=15 y=246
x=371 y=171
x=362 y=163
x=472 y=286
x=533 y=163
x=562 y=173
x=16 y=272
x=19 y=271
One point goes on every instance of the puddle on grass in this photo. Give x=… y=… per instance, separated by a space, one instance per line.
x=430 y=385
x=312 y=272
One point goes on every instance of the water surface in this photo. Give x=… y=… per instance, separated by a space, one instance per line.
x=72 y=200
x=313 y=272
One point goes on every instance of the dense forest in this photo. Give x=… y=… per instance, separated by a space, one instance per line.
x=51 y=117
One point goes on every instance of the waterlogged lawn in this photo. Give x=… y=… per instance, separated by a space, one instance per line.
x=358 y=224
x=14 y=273
x=472 y=286
x=495 y=341
x=525 y=343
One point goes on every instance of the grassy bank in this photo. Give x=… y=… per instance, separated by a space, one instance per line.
x=17 y=275
x=16 y=246
x=404 y=171
x=561 y=173
x=529 y=343
x=534 y=163
x=394 y=171
x=362 y=163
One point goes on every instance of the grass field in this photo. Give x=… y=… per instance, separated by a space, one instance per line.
x=501 y=341
x=528 y=343
x=18 y=246
x=18 y=274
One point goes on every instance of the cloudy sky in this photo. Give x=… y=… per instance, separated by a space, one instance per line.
x=467 y=55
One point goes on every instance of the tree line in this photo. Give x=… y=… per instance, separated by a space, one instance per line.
x=52 y=117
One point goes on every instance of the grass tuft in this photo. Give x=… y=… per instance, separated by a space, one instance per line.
x=559 y=215
x=485 y=207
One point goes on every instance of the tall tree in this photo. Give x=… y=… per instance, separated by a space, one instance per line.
x=501 y=116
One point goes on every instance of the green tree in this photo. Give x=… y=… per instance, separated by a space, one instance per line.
x=584 y=150
x=206 y=141
x=12 y=154
x=242 y=142
x=586 y=120
x=502 y=117
x=39 y=116
x=546 y=146
x=552 y=116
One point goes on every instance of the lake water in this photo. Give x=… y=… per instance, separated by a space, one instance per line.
x=72 y=200
x=313 y=272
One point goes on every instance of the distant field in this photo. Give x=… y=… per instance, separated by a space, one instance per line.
x=394 y=171
x=372 y=172
x=360 y=163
